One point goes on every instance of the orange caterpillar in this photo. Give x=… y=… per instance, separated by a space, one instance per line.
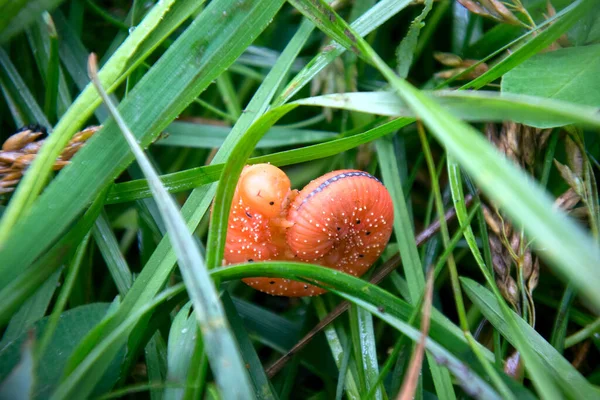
x=342 y=220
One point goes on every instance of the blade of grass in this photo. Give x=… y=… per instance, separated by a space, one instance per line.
x=31 y=311
x=368 y=348
x=206 y=136
x=409 y=386
x=18 y=14
x=337 y=351
x=470 y=106
x=19 y=289
x=71 y=383
x=52 y=71
x=220 y=346
x=559 y=330
x=453 y=134
x=365 y=24
x=343 y=370
x=583 y=334
x=63 y=296
x=180 y=348
x=196 y=379
x=42 y=47
x=262 y=386
x=106 y=154
x=561 y=369
x=109 y=248
x=372 y=297
x=196 y=177
x=20 y=94
x=123 y=61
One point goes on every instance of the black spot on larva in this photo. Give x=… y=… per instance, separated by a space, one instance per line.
x=361 y=255
x=357 y=221
x=368 y=233
x=272 y=282
x=250 y=260
x=338 y=228
x=271 y=203
x=305 y=286
x=248 y=214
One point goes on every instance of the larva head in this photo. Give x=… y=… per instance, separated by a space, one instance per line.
x=265 y=189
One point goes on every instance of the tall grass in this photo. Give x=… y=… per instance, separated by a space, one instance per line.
x=490 y=153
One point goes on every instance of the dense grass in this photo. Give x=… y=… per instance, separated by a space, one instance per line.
x=481 y=122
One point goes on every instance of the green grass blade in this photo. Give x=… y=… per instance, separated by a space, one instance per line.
x=61 y=301
x=369 y=351
x=18 y=290
x=182 y=340
x=365 y=24
x=196 y=177
x=205 y=136
x=71 y=385
x=20 y=94
x=561 y=370
x=220 y=346
x=109 y=247
x=338 y=352
x=18 y=14
x=260 y=381
x=358 y=291
x=469 y=106
x=52 y=71
x=112 y=73
x=106 y=154
x=42 y=48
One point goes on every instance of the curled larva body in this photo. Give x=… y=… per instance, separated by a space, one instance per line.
x=341 y=220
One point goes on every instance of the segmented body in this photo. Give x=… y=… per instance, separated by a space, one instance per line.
x=342 y=220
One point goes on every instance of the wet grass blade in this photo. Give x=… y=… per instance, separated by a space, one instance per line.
x=220 y=346
x=96 y=165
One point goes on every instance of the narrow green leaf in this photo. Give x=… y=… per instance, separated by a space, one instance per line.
x=365 y=24
x=470 y=106
x=109 y=247
x=196 y=177
x=111 y=75
x=220 y=346
x=561 y=369
x=162 y=95
x=369 y=351
x=444 y=344
x=260 y=381
x=182 y=340
x=26 y=104
x=16 y=15
x=406 y=50
x=206 y=136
